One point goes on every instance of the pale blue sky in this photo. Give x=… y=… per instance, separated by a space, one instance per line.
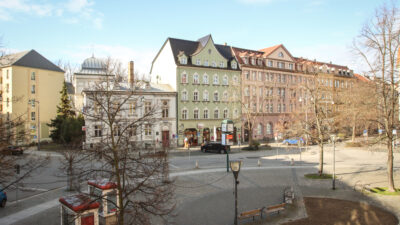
x=135 y=30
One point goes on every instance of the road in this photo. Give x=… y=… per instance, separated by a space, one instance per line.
x=279 y=165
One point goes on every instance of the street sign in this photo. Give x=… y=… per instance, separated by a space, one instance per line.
x=227 y=126
x=394 y=132
x=365 y=133
x=229 y=137
x=83 y=128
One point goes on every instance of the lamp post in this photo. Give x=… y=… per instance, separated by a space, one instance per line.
x=333 y=138
x=32 y=102
x=300 y=100
x=235 y=167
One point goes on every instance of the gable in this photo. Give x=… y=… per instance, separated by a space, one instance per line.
x=281 y=53
x=209 y=52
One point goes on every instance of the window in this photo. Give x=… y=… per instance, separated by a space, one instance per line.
x=259 y=76
x=8 y=87
x=165 y=113
x=259 y=61
x=184 y=79
x=281 y=54
x=291 y=66
x=205 y=114
x=216 y=114
x=269 y=128
x=236 y=113
x=147 y=107
x=206 y=63
x=253 y=61
x=259 y=129
x=216 y=96
x=198 y=62
x=270 y=63
x=214 y=64
x=279 y=107
x=184 y=96
x=196 y=78
x=261 y=91
x=283 y=107
x=132 y=108
x=33 y=116
x=33 y=76
x=260 y=108
x=117 y=131
x=225 y=96
x=245 y=60
x=196 y=113
x=235 y=79
x=246 y=91
x=183 y=60
x=147 y=129
x=205 y=96
x=196 y=96
x=216 y=79
x=225 y=80
x=247 y=75
x=97 y=131
x=112 y=197
x=254 y=75
x=225 y=113
x=254 y=107
x=271 y=107
x=234 y=65
x=205 y=79
x=184 y=114
x=254 y=91
x=8 y=102
x=221 y=64
x=7 y=74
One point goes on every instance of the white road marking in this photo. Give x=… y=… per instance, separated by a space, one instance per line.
x=26 y=213
x=174 y=166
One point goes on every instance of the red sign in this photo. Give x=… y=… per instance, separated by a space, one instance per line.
x=83 y=128
x=229 y=136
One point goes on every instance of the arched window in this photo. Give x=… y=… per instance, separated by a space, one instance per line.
x=196 y=113
x=184 y=95
x=184 y=114
x=216 y=114
x=205 y=114
x=225 y=80
x=225 y=96
x=225 y=113
x=205 y=79
x=216 y=96
x=196 y=96
x=269 y=128
x=259 y=129
x=216 y=79
x=184 y=77
x=205 y=96
x=196 y=78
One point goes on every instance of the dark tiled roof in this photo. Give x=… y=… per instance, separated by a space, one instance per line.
x=29 y=59
x=70 y=88
x=190 y=47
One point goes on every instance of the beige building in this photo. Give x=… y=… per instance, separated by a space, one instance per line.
x=27 y=76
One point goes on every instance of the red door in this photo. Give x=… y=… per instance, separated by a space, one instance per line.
x=165 y=139
x=87 y=220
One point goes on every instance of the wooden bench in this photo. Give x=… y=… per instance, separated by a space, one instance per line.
x=275 y=208
x=252 y=213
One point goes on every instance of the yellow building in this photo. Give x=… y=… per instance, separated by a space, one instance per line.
x=30 y=89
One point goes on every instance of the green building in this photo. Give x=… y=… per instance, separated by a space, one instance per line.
x=206 y=77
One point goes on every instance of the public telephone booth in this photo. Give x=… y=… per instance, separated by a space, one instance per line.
x=105 y=193
x=79 y=210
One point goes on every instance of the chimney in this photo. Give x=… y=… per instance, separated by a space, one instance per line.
x=225 y=44
x=131 y=76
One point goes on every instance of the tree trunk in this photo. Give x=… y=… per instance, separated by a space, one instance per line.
x=321 y=159
x=353 y=135
x=391 y=187
x=250 y=137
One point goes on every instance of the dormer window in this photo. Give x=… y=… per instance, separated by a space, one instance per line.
x=291 y=66
x=234 y=65
x=253 y=61
x=183 y=60
x=281 y=54
x=260 y=62
x=245 y=60
x=206 y=63
x=213 y=64
x=270 y=63
x=198 y=62
x=221 y=64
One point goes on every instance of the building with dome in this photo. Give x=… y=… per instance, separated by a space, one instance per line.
x=93 y=70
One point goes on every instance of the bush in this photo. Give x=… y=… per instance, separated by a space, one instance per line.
x=353 y=144
x=342 y=135
x=255 y=144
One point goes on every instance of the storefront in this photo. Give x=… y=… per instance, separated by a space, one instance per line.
x=191 y=135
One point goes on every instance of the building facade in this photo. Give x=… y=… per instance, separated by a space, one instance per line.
x=206 y=77
x=157 y=130
x=30 y=90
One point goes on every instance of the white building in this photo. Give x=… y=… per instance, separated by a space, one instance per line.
x=158 y=129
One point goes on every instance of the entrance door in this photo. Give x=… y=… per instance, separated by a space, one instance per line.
x=165 y=139
x=87 y=220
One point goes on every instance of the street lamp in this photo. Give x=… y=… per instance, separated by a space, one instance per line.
x=300 y=100
x=333 y=138
x=235 y=167
x=32 y=102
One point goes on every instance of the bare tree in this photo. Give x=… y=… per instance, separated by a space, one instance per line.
x=378 y=46
x=143 y=188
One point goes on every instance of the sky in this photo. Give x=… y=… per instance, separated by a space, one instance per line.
x=73 y=30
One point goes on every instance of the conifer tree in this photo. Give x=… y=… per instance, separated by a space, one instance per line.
x=65 y=107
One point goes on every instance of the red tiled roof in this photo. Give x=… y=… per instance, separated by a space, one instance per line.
x=269 y=50
x=103 y=184
x=317 y=63
x=361 y=77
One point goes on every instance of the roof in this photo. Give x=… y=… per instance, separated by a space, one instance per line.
x=318 y=63
x=104 y=184
x=361 y=77
x=271 y=49
x=79 y=202
x=29 y=59
x=93 y=66
x=192 y=47
x=70 y=88
x=164 y=87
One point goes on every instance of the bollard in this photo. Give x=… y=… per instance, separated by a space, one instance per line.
x=259 y=163
x=197 y=164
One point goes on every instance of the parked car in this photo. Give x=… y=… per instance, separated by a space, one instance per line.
x=215 y=147
x=293 y=141
x=3 y=197
x=13 y=150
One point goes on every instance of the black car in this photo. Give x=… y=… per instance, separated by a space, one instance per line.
x=215 y=147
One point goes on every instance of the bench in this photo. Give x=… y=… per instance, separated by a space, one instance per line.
x=275 y=208
x=252 y=213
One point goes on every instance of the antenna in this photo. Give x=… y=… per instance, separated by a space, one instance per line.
x=92 y=49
